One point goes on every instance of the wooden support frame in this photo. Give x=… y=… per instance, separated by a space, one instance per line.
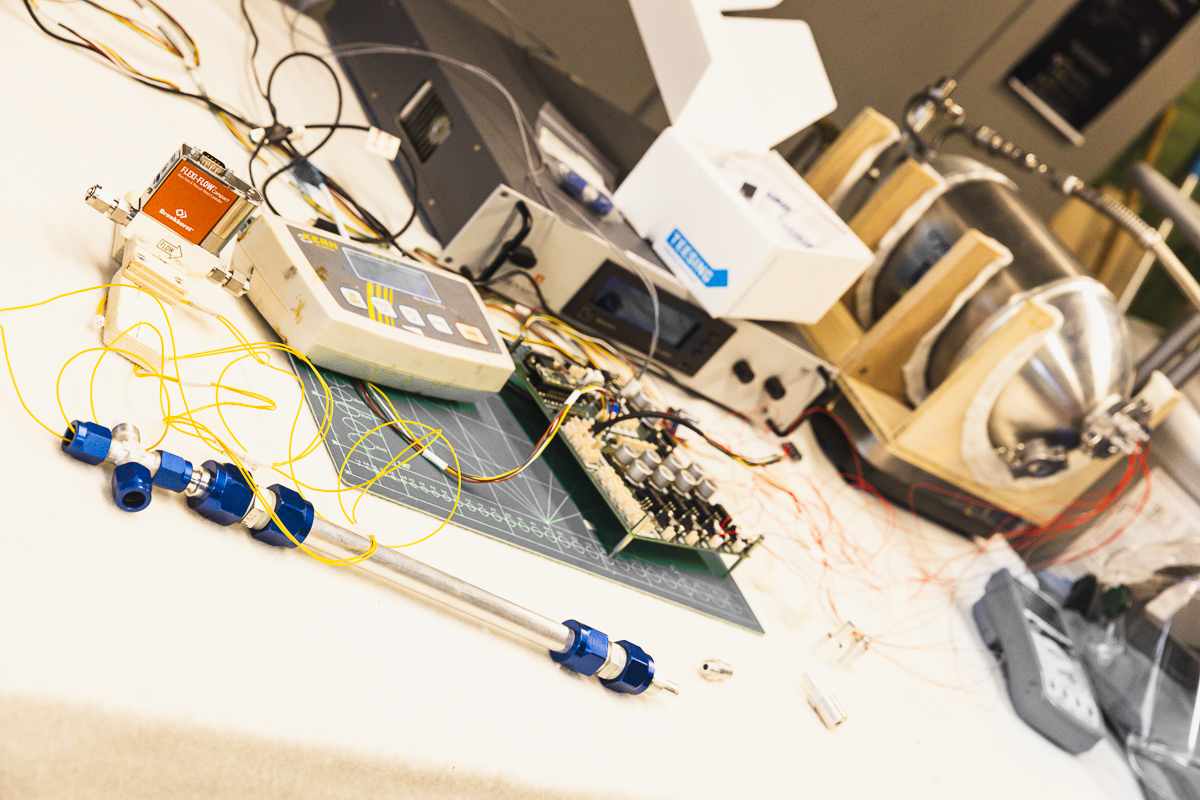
x=929 y=435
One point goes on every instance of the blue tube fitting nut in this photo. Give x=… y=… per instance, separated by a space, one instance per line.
x=587 y=653
x=294 y=512
x=638 y=673
x=174 y=473
x=87 y=442
x=132 y=486
x=228 y=497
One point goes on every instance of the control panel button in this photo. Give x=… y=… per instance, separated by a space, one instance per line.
x=471 y=333
x=440 y=325
x=354 y=298
x=383 y=308
x=743 y=371
x=412 y=315
x=774 y=387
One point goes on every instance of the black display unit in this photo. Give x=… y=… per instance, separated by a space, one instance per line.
x=617 y=303
x=1096 y=51
x=460 y=131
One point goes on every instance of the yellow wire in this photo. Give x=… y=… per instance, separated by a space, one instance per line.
x=187 y=423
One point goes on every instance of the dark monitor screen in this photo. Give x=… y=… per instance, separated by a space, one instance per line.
x=633 y=304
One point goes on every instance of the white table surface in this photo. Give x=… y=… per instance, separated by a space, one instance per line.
x=158 y=655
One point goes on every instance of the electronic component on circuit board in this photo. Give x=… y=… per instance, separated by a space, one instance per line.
x=657 y=490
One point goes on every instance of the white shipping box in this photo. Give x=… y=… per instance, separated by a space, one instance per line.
x=735 y=223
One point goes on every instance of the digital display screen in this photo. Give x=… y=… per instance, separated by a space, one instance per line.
x=389 y=273
x=632 y=304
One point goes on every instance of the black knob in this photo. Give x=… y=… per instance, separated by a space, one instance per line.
x=774 y=387
x=743 y=371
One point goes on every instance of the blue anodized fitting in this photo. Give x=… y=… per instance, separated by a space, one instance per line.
x=87 y=442
x=228 y=496
x=587 y=653
x=174 y=472
x=638 y=673
x=132 y=486
x=294 y=512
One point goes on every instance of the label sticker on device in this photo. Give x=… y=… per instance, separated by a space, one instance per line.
x=382 y=143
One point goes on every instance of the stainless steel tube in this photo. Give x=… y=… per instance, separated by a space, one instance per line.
x=1173 y=343
x=337 y=542
x=1169 y=199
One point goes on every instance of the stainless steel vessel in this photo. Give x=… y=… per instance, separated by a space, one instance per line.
x=1057 y=409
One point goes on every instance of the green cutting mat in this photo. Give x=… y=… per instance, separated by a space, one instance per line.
x=551 y=509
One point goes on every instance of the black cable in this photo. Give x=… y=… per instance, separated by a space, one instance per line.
x=275 y=118
x=383 y=236
x=253 y=55
x=51 y=34
x=532 y=282
x=510 y=245
x=212 y=104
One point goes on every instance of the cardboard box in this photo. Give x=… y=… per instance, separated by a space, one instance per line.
x=735 y=223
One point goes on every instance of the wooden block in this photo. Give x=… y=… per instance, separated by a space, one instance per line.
x=834 y=335
x=897 y=194
x=864 y=136
x=1084 y=230
x=879 y=357
x=882 y=414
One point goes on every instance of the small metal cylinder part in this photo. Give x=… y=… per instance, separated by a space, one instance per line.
x=705 y=489
x=715 y=670
x=662 y=477
x=677 y=461
x=825 y=704
x=835 y=643
x=126 y=433
x=640 y=401
x=651 y=459
x=695 y=471
x=638 y=472
x=859 y=646
x=684 y=482
x=625 y=455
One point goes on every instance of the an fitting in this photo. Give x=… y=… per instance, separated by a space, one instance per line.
x=587 y=652
x=132 y=486
x=637 y=674
x=87 y=442
x=293 y=511
x=174 y=472
x=228 y=496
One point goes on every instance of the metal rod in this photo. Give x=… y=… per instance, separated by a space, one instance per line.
x=1174 y=342
x=1164 y=230
x=1182 y=372
x=337 y=542
x=1168 y=198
